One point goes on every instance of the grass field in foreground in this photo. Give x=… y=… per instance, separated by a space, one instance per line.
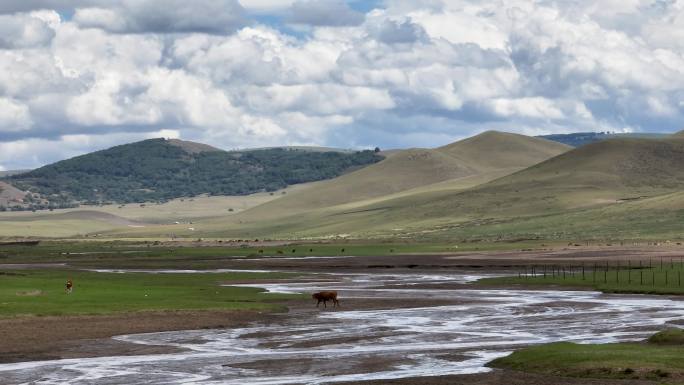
x=667 y=278
x=40 y=292
x=658 y=360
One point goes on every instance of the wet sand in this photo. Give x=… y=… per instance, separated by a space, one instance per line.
x=49 y=338
x=61 y=337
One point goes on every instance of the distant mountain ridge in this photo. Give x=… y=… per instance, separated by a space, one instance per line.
x=577 y=139
x=160 y=169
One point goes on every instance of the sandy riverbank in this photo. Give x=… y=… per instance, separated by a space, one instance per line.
x=48 y=338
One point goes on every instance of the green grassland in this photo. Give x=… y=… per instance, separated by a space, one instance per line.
x=656 y=218
x=145 y=254
x=41 y=292
x=611 y=190
x=383 y=200
x=658 y=276
x=659 y=359
x=480 y=158
x=494 y=187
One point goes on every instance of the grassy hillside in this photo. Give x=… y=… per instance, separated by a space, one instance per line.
x=603 y=172
x=159 y=169
x=480 y=158
x=398 y=172
x=10 y=194
x=87 y=219
x=615 y=189
x=611 y=190
x=382 y=199
x=493 y=150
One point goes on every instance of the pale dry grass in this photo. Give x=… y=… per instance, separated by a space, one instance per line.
x=175 y=215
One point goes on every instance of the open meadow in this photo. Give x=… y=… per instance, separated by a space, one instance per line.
x=409 y=310
x=41 y=292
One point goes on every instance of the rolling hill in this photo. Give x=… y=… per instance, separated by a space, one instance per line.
x=494 y=150
x=607 y=171
x=159 y=169
x=607 y=188
x=567 y=194
x=365 y=200
x=491 y=187
x=458 y=165
x=591 y=177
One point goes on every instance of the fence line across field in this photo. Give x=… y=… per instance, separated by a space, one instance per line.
x=645 y=273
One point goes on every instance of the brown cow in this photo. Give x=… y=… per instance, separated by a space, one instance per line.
x=325 y=296
x=69 y=286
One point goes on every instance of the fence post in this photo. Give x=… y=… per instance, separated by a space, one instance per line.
x=582 y=271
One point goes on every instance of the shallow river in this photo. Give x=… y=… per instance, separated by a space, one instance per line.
x=308 y=347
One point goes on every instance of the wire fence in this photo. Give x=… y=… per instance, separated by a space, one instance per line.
x=654 y=272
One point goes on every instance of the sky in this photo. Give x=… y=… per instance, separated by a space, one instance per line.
x=83 y=75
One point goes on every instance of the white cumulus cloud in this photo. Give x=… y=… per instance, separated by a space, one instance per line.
x=79 y=75
x=164 y=16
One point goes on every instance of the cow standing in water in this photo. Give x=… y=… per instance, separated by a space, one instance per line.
x=325 y=296
x=69 y=286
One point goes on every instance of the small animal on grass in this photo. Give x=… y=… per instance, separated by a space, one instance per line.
x=69 y=286
x=325 y=296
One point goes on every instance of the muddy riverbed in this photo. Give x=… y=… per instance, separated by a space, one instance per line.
x=394 y=325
